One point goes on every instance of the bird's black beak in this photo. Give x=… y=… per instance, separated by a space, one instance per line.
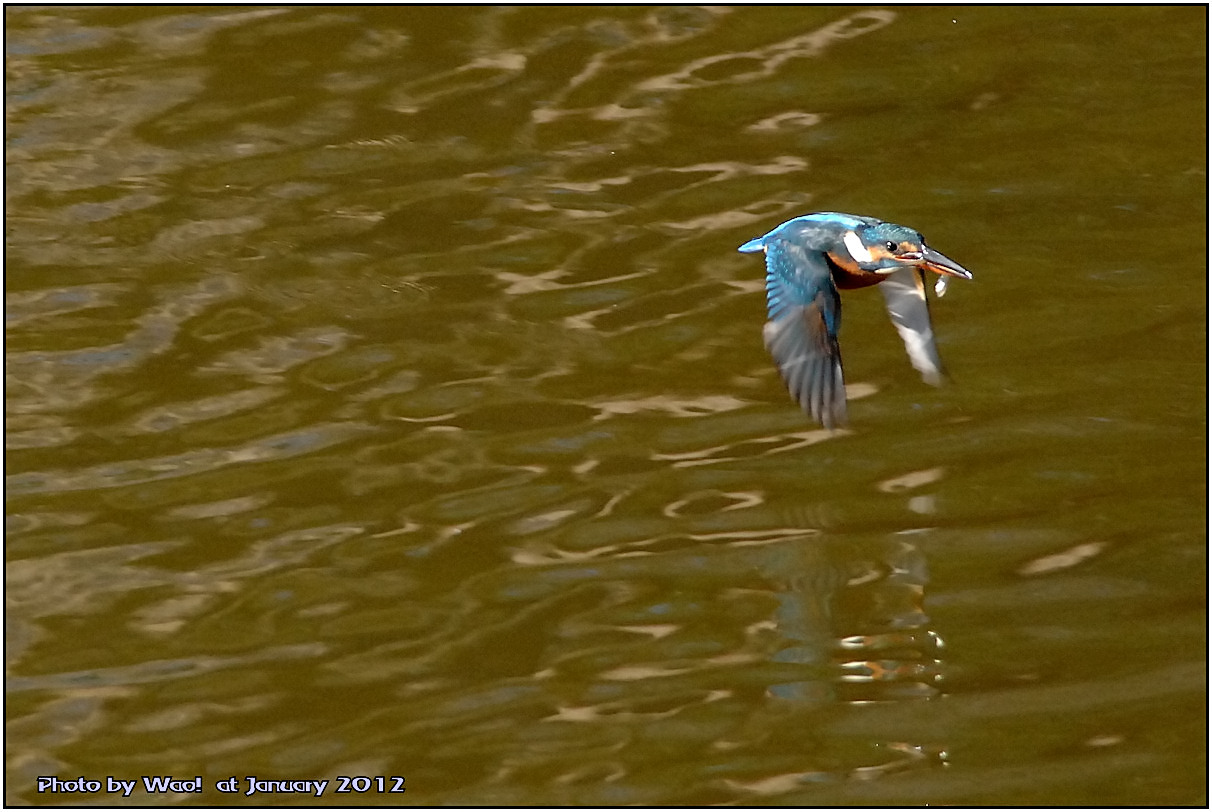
x=934 y=261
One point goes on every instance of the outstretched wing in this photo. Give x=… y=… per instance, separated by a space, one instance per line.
x=905 y=296
x=804 y=316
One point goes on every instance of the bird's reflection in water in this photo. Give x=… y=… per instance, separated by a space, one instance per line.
x=852 y=614
x=855 y=613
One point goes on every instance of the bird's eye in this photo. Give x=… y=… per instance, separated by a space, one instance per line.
x=891 y=246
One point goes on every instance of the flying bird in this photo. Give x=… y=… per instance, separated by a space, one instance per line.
x=808 y=260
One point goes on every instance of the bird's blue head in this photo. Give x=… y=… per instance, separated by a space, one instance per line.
x=886 y=247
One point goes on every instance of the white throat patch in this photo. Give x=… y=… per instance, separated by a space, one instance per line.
x=856 y=248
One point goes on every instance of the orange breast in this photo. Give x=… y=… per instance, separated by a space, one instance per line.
x=847 y=275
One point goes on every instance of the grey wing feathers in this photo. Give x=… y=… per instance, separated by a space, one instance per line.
x=804 y=313
x=905 y=296
x=810 y=362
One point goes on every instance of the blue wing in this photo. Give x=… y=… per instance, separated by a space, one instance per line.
x=804 y=316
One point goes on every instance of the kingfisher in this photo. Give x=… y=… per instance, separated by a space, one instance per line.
x=808 y=259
